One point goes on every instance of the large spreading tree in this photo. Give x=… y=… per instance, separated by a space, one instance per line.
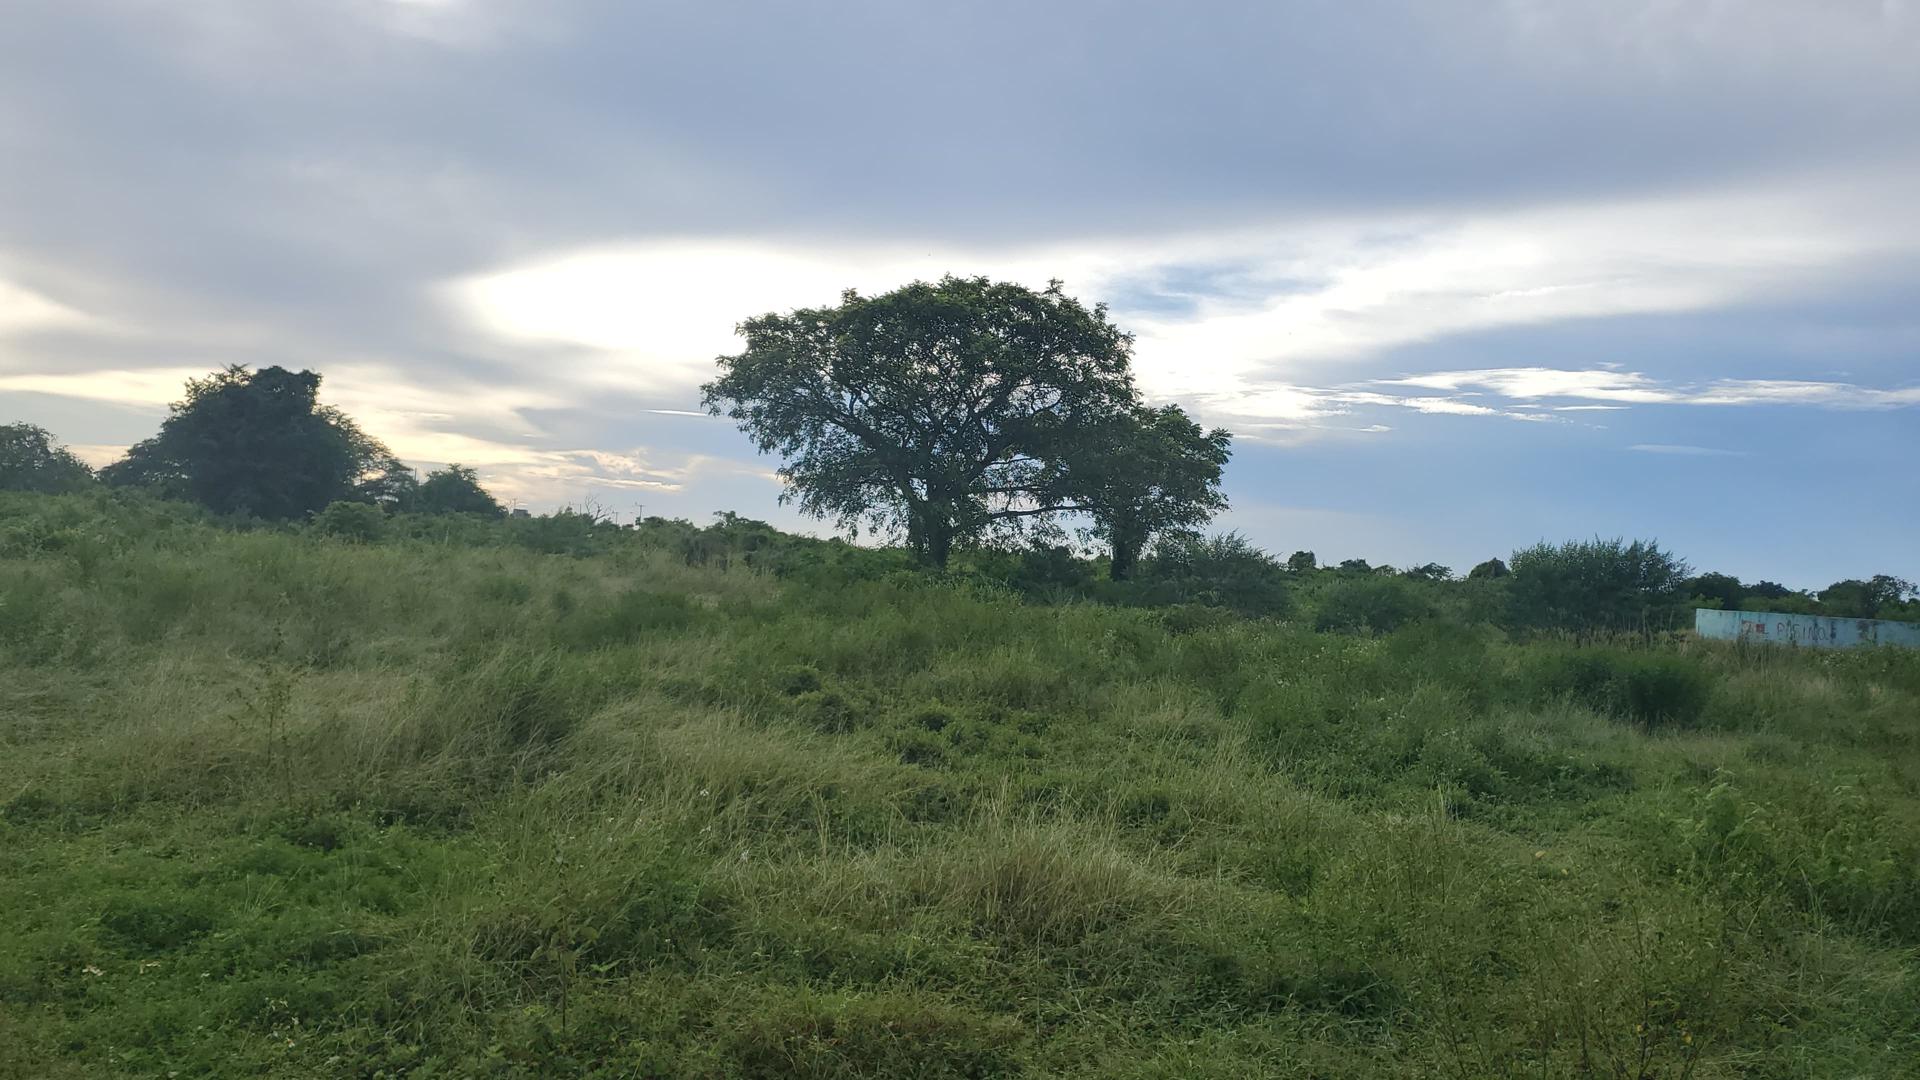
x=260 y=443
x=947 y=411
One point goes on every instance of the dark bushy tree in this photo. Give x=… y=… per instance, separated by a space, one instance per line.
x=941 y=410
x=31 y=461
x=1594 y=584
x=1489 y=570
x=1225 y=571
x=1875 y=598
x=255 y=442
x=455 y=490
x=1150 y=473
x=1724 y=588
x=1378 y=605
x=1302 y=561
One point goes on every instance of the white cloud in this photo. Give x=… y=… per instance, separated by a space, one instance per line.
x=1535 y=382
x=1795 y=392
x=22 y=309
x=1610 y=385
x=154 y=387
x=1685 y=451
x=658 y=313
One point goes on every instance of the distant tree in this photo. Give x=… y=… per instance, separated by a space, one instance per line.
x=1225 y=571
x=390 y=484
x=1492 y=568
x=1724 y=588
x=939 y=410
x=1356 y=566
x=455 y=490
x=31 y=461
x=1855 y=599
x=254 y=442
x=1432 y=571
x=1301 y=561
x=1369 y=605
x=1768 y=590
x=1788 y=603
x=1588 y=584
x=1145 y=474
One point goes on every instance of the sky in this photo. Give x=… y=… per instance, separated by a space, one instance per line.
x=1459 y=276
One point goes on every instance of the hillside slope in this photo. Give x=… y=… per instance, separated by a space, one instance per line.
x=272 y=804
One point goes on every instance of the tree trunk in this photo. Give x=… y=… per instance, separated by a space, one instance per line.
x=929 y=535
x=940 y=545
x=1127 y=538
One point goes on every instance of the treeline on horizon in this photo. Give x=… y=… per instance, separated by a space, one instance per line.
x=974 y=421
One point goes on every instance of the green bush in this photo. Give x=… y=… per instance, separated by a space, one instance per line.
x=1377 y=604
x=1224 y=571
x=1596 y=585
x=1655 y=689
x=355 y=522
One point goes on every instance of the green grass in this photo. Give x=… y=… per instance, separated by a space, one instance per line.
x=273 y=804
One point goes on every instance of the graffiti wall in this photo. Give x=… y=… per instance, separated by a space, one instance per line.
x=1818 y=631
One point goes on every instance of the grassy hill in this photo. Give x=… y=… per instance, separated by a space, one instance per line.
x=275 y=804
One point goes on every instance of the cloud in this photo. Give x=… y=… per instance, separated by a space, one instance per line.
x=1286 y=296
x=150 y=387
x=1609 y=385
x=22 y=309
x=1685 y=451
x=1797 y=392
x=1536 y=382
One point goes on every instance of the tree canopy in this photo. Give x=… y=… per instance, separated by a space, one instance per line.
x=455 y=490
x=952 y=410
x=31 y=461
x=1146 y=474
x=258 y=443
x=1593 y=584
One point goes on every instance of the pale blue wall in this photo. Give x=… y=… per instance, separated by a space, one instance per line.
x=1816 y=630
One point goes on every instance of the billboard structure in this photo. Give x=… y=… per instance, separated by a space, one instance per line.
x=1815 y=631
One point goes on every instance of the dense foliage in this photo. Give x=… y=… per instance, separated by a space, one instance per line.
x=257 y=443
x=453 y=490
x=967 y=409
x=536 y=797
x=30 y=460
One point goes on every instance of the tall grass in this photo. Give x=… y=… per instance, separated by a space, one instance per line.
x=284 y=804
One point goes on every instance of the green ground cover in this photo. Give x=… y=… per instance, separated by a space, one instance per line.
x=278 y=804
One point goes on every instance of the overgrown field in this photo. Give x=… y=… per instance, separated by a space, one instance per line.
x=273 y=804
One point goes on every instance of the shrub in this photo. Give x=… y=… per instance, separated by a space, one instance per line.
x=1223 y=571
x=1594 y=584
x=1370 y=605
x=355 y=522
x=1650 y=688
x=626 y=618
